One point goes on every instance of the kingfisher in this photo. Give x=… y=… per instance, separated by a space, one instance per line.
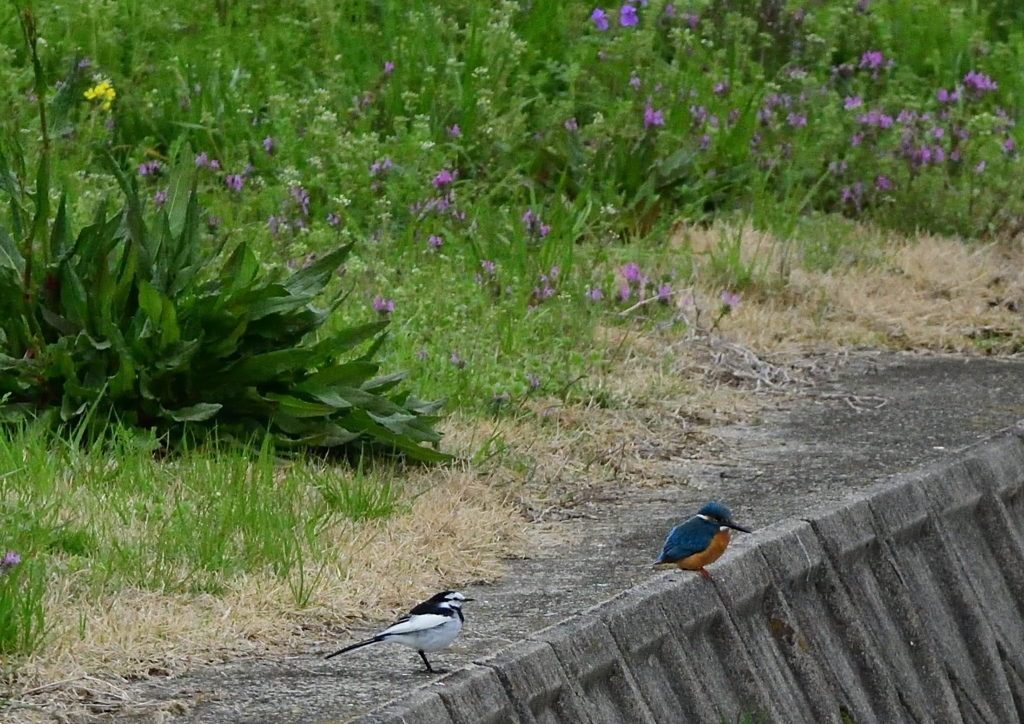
x=701 y=540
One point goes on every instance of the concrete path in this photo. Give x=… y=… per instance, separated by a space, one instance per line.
x=884 y=414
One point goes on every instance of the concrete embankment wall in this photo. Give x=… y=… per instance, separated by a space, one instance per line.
x=903 y=604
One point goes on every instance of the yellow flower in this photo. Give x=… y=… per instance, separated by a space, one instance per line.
x=103 y=92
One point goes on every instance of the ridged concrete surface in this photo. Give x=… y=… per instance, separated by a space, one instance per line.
x=902 y=604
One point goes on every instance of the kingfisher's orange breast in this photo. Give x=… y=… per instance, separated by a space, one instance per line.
x=719 y=542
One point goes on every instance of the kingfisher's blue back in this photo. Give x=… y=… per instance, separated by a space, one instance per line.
x=688 y=538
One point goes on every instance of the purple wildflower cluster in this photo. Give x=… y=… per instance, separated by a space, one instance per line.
x=652 y=117
x=544 y=289
x=294 y=215
x=628 y=16
x=383 y=306
x=916 y=141
x=150 y=168
x=378 y=171
x=442 y=203
x=534 y=226
x=9 y=561
x=634 y=285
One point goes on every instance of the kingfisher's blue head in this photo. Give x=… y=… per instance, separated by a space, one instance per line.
x=715 y=512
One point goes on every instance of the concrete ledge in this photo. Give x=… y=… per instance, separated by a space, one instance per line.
x=903 y=604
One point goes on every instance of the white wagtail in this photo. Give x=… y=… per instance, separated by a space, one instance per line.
x=430 y=626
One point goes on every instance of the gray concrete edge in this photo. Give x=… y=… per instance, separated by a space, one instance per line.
x=902 y=603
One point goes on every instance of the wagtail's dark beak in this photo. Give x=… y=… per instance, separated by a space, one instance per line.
x=737 y=526
x=467 y=600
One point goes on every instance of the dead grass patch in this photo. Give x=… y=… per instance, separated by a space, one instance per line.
x=924 y=293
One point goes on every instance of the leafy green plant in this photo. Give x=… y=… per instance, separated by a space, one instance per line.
x=148 y=324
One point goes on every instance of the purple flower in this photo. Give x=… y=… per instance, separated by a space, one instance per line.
x=147 y=168
x=851 y=102
x=570 y=125
x=202 y=160
x=388 y=67
x=692 y=19
x=1009 y=145
x=594 y=295
x=434 y=241
x=380 y=165
x=233 y=182
x=856 y=138
x=457 y=361
x=796 y=120
x=159 y=199
x=651 y=116
x=665 y=293
x=268 y=145
x=599 y=19
x=10 y=560
x=730 y=300
x=720 y=87
x=670 y=10
x=852 y=194
x=453 y=131
x=333 y=219
x=487 y=266
x=533 y=380
x=301 y=197
x=979 y=82
x=634 y=81
x=214 y=165
x=872 y=60
x=84 y=63
x=882 y=183
x=627 y=16
x=624 y=292
x=383 y=306
x=442 y=179
x=631 y=272
x=980 y=168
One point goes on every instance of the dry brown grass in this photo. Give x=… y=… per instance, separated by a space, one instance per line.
x=925 y=293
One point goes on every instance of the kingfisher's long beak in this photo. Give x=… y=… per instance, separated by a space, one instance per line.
x=737 y=526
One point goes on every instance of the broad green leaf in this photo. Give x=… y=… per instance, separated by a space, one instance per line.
x=58 y=322
x=266 y=367
x=351 y=374
x=73 y=298
x=179 y=195
x=386 y=382
x=296 y=407
x=312 y=280
x=151 y=302
x=241 y=269
x=195 y=413
x=421 y=407
x=10 y=256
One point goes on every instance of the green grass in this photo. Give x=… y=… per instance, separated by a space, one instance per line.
x=332 y=146
x=111 y=517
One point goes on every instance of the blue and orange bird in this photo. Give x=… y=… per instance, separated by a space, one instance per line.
x=701 y=540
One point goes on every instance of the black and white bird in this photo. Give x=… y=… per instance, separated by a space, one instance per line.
x=430 y=626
